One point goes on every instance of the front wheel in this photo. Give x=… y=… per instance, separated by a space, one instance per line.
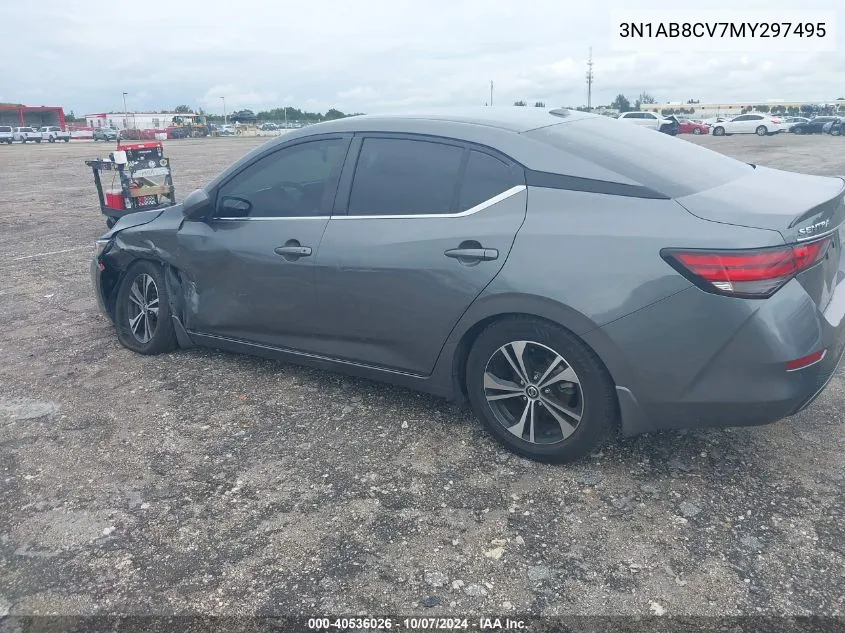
x=697 y=131
x=761 y=130
x=718 y=131
x=539 y=390
x=835 y=132
x=142 y=314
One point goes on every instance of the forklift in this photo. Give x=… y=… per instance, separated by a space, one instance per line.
x=141 y=180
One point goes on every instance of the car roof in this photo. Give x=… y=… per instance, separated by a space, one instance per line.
x=515 y=119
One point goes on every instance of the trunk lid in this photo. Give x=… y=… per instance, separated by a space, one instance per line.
x=798 y=206
x=802 y=208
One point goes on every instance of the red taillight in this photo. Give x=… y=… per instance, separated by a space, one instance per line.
x=757 y=273
x=806 y=361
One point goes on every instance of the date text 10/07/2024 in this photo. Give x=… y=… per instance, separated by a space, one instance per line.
x=417 y=624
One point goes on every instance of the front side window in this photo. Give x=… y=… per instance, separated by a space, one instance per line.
x=292 y=182
x=405 y=177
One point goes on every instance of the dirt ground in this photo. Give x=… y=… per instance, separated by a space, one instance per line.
x=207 y=482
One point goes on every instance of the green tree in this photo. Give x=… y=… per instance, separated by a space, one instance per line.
x=621 y=103
x=646 y=98
x=333 y=114
x=70 y=117
x=762 y=108
x=182 y=109
x=520 y=103
x=539 y=104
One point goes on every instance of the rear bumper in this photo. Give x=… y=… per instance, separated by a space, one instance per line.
x=700 y=360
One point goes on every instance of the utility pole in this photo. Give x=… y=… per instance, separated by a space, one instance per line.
x=125 y=112
x=491 y=92
x=225 y=121
x=590 y=81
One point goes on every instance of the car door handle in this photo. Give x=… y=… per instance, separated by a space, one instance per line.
x=473 y=254
x=292 y=252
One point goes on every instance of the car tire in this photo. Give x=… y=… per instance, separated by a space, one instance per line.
x=52 y=139
x=761 y=130
x=533 y=419
x=835 y=132
x=696 y=131
x=798 y=131
x=67 y=140
x=718 y=131
x=142 y=311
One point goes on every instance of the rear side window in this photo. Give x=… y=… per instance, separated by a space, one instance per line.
x=669 y=165
x=5 y=128
x=484 y=178
x=405 y=177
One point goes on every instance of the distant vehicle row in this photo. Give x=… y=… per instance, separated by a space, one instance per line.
x=763 y=125
x=49 y=133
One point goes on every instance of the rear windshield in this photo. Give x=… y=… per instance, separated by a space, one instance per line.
x=664 y=163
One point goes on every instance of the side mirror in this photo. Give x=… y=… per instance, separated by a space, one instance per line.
x=196 y=204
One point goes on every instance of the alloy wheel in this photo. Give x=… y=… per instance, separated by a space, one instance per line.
x=533 y=392
x=143 y=307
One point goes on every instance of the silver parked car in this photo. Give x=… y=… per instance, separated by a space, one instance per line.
x=555 y=269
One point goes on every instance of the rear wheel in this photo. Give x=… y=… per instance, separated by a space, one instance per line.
x=52 y=139
x=835 y=131
x=718 y=131
x=38 y=140
x=761 y=130
x=696 y=130
x=539 y=390
x=142 y=313
x=798 y=130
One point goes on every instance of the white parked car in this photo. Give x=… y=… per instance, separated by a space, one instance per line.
x=752 y=123
x=650 y=120
x=6 y=134
x=24 y=134
x=53 y=133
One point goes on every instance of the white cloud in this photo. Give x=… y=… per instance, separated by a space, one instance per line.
x=369 y=57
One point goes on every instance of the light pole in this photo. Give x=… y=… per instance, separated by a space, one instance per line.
x=125 y=112
x=225 y=120
x=491 y=92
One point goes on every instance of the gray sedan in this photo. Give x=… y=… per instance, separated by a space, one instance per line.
x=562 y=272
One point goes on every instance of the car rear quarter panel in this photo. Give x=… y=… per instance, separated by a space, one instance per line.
x=587 y=260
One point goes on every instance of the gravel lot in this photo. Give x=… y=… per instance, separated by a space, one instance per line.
x=206 y=482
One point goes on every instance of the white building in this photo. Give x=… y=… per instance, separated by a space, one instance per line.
x=138 y=120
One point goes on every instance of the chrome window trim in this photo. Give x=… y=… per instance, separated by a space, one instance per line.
x=275 y=217
x=472 y=210
x=479 y=207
